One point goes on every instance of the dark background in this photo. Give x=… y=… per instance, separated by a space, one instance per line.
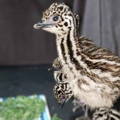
x=26 y=54
x=20 y=44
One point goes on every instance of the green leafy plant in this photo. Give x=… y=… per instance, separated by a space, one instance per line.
x=21 y=108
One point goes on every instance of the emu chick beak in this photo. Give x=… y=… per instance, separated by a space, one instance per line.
x=41 y=25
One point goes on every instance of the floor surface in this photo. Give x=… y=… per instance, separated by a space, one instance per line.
x=32 y=80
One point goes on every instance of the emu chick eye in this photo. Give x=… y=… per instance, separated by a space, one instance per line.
x=55 y=18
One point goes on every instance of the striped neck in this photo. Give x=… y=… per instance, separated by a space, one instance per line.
x=67 y=45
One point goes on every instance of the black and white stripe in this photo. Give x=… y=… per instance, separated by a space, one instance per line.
x=106 y=114
x=93 y=73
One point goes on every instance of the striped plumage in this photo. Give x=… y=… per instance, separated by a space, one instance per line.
x=62 y=92
x=103 y=114
x=93 y=72
x=106 y=114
